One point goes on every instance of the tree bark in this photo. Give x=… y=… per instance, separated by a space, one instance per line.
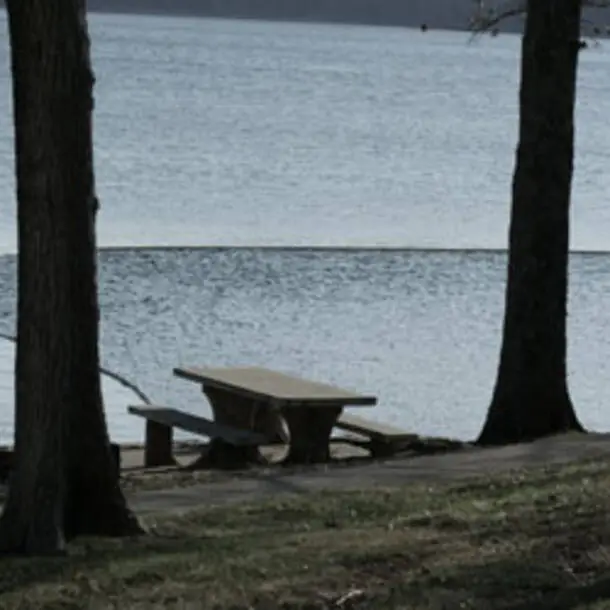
x=64 y=482
x=531 y=397
x=33 y=517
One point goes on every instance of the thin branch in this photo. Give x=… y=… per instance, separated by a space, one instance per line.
x=486 y=19
x=484 y=24
x=120 y=379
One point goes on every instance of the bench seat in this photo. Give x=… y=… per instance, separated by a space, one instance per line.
x=371 y=429
x=161 y=420
x=381 y=439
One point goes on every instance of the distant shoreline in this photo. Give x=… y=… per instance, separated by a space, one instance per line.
x=452 y=15
x=303 y=19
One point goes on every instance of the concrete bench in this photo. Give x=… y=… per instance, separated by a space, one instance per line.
x=160 y=422
x=382 y=439
x=259 y=399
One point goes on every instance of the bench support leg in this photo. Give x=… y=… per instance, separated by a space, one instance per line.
x=237 y=412
x=115 y=449
x=382 y=449
x=310 y=431
x=224 y=456
x=158 y=448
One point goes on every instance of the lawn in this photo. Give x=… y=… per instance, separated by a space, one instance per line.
x=535 y=539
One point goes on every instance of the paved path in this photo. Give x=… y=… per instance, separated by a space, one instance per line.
x=445 y=467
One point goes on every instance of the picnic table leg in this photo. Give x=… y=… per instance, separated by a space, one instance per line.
x=237 y=412
x=310 y=430
x=158 y=445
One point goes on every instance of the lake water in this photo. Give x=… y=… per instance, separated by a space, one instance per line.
x=243 y=133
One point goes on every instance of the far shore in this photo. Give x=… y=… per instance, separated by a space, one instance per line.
x=389 y=20
x=272 y=19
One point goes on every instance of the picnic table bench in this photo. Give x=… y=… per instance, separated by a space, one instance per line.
x=160 y=422
x=258 y=399
x=381 y=439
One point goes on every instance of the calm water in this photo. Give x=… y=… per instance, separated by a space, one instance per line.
x=249 y=133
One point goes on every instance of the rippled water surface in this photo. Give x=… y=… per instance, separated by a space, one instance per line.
x=419 y=329
x=250 y=133
x=241 y=132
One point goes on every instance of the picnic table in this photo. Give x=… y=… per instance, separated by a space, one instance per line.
x=257 y=400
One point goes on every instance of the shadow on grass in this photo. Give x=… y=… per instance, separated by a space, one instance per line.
x=580 y=597
x=542 y=565
x=90 y=555
x=513 y=584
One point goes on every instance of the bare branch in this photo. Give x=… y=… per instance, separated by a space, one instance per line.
x=486 y=18
x=118 y=378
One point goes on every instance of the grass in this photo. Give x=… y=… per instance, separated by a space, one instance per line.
x=527 y=540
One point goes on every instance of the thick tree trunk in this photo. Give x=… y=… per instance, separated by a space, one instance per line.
x=64 y=482
x=531 y=397
x=95 y=503
x=33 y=517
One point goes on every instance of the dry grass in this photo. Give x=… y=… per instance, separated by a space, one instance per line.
x=528 y=540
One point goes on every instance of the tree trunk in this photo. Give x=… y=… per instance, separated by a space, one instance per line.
x=64 y=482
x=33 y=517
x=95 y=503
x=531 y=397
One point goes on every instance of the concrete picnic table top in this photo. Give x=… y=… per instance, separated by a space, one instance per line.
x=265 y=384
